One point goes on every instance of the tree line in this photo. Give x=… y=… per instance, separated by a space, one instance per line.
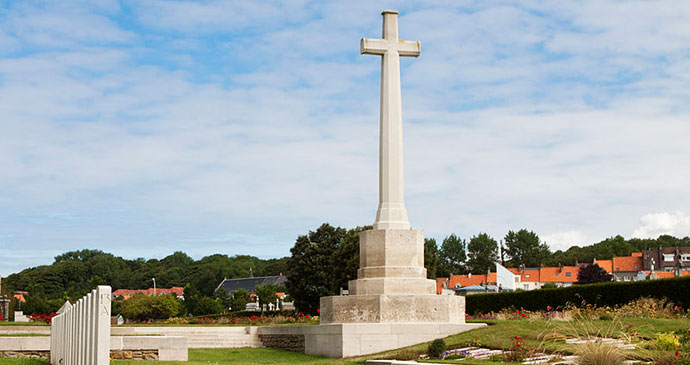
x=75 y=273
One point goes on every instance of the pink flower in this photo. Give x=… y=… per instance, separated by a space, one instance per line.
x=548 y=307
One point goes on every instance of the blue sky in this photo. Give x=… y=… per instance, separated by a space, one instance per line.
x=145 y=127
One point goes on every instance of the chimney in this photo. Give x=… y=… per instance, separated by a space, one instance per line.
x=560 y=267
x=469 y=275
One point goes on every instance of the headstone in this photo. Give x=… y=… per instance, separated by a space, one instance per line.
x=4 y=305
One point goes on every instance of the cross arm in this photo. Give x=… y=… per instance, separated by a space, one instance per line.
x=373 y=46
x=409 y=48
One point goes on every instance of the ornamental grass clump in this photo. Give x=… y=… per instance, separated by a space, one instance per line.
x=650 y=308
x=599 y=353
x=436 y=348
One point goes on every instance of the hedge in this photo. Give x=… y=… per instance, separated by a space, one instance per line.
x=677 y=290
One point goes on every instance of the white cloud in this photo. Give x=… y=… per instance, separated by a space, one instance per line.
x=655 y=224
x=564 y=240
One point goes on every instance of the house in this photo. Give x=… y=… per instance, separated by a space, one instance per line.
x=20 y=296
x=249 y=284
x=626 y=268
x=561 y=276
x=667 y=259
x=128 y=293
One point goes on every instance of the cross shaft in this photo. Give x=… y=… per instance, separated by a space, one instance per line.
x=391 y=213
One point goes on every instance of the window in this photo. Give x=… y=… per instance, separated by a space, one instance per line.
x=517 y=279
x=635 y=267
x=668 y=257
x=457 y=285
x=626 y=278
x=685 y=257
x=668 y=269
x=527 y=275
x=568 y=274
x=526 y=286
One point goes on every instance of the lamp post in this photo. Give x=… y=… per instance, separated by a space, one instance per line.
x=154 y=287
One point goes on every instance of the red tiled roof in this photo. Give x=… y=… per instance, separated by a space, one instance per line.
x=439 y=284
x=566 y=274
x=530 y=275
x=629 y=263
x=468 y=280
x=636 y=254
x=177 y=290
x=605 y=264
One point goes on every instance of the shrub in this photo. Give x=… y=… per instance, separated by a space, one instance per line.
x=666 y=341
x=601 y=294
x=599 y=353
x=141 y=307
x=436 y=348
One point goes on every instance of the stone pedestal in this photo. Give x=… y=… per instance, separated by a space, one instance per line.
x=392 y=286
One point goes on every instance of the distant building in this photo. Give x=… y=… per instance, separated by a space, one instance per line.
x=128 y=293
x=667 y=259
x=666 y=262
x=249 y=284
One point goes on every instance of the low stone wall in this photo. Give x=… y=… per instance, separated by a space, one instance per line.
x=114 y=354
x=121 y=347
x=287 y=342
x=32 y=354
x=134 y=355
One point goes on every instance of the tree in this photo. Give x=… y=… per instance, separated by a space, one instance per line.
x=142 y=307
x=451 y=256
x=240 y=298
x=267 y=295
x=311 y=268
x=592 y=273
x=347 y=258
x=225 y=298
x=524 y=248
x=430 y=257
x=482 y=252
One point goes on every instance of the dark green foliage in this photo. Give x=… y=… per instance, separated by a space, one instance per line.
x=430 y=257
x=75 y=273
x=591 y=274
x=240 y=298
x=436 y=348
x=321 y=263
x=482 y=252
x=224 y=297
x=39 y=304
x=142 y=307
x=452 y=256
x=524 y=248
x=601 y=294
x=347 y=257
x=267 y=295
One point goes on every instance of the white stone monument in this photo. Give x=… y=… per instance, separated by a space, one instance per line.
x=391 y=302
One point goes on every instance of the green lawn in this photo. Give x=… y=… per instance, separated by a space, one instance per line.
x=499 y=334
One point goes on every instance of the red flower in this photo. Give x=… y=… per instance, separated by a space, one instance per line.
x=517 y=344
x=677 y=353
x=518 y=338
x=522 y=314
x=468 y=316
x=318 y=310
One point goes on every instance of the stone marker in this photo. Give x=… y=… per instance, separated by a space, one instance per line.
x=391 y=304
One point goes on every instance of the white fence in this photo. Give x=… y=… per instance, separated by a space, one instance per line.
x=80 y=333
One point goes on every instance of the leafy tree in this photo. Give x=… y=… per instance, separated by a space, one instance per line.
x=452 y=256
x=311 y=268
x=267 y=295
x=592 y=273
x=224 y=297
x=142 y=307
x=240 y=298
x=430 y=257
x=347 y=258
x=40 y=304
x=208 y=305
x=524 y=248
x=482 y=252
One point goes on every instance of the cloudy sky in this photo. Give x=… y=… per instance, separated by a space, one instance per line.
x=145 y=127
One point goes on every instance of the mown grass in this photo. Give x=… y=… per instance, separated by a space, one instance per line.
x=499 y=335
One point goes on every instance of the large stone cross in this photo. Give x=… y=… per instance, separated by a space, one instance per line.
x=391 y=213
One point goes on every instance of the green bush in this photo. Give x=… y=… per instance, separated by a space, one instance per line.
x=141 y=307
x=436 y=348
x=600 y=294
